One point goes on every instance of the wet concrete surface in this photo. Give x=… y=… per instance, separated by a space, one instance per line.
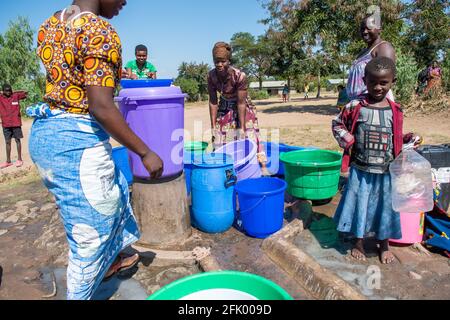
x=236 y=251
x=415 y=276
x=33 y=247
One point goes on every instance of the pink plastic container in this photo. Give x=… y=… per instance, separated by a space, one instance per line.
x=412 y=228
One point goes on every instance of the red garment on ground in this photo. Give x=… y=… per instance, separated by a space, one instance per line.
x=10 y=109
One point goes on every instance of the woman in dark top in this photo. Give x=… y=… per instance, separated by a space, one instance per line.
x=232 y=115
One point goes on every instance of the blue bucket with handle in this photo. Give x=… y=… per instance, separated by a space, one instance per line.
x=212 y=188
x=273 y=153
x=261 y=206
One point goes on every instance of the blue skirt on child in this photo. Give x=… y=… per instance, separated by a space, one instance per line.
x=366 y=207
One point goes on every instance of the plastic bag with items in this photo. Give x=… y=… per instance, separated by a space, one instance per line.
x=412 y=184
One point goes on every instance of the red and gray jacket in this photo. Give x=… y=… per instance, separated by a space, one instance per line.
x=344 y=127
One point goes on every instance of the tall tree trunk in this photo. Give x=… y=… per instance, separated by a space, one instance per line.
x=289 y=85
x=318 y=85
x=260 y=83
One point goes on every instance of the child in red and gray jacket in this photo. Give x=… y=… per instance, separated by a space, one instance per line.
x=371 y=133
x=11 y=122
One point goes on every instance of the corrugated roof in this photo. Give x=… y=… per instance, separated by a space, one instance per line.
x=336 y=81
x=268 y=84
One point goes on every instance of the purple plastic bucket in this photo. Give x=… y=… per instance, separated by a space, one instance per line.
x=156 y=115
x=244 y=154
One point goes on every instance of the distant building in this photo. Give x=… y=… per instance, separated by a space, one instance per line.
x=336 y=82
x=274 y=88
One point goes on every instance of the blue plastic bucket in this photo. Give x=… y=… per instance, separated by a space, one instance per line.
x=145 y=83
x=212 y=187
x=273 y=153
x=122 y=162
x=192 y=150
x=261 y=206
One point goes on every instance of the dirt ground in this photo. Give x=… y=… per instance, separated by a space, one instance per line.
x=32 y=240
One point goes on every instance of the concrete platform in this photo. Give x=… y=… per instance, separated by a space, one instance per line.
x=318 y=258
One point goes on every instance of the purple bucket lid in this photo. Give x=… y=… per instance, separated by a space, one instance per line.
x=151 y=93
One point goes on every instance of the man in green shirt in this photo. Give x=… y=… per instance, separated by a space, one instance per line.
x=140 y=68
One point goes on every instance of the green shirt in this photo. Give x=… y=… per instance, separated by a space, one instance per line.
x=141 y=74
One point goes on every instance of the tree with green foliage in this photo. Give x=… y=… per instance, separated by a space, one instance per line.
x=446 y=71
x=192 y=78
x=285 y=47
x=19 y=64
x=428 y=29
x=251 y=55
x=188 y=86
x=319 y=37
x=407 y=71
x=242 y=44
x=333 y=25
x=328 y=32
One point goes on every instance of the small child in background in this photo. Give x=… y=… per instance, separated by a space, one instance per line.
x=11 y=122
x=286 y=92
x=306 y=91
x=371 y=133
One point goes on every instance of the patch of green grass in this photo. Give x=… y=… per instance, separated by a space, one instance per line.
x=15 y=180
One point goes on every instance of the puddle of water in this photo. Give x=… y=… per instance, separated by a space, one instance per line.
x=116 y=288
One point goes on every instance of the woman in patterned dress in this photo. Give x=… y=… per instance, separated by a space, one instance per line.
x=70 y=146
x=233 y=116
x=434 y=78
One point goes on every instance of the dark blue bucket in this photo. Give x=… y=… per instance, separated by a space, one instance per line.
x=261 y=206
x=122 y=162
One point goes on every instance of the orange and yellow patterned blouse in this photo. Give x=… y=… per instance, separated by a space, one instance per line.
x=84 y=52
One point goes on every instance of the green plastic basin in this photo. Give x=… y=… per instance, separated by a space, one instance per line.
x=312 y=174
x=224 y=285
x=196 y=146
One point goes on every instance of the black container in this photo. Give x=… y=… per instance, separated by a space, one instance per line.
x=439 y=157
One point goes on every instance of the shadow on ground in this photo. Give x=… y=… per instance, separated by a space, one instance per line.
x=326 y=110
x=270 y=102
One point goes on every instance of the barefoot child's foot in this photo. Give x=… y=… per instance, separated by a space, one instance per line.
x=386 y=256
x=358 y=251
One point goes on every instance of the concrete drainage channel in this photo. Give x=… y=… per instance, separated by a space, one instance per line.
x=313 y=253
x=301 y=270
x=320 y=283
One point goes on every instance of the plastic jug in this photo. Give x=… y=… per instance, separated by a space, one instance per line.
x=412 y=184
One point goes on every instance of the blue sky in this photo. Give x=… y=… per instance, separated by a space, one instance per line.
x=174 y=30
